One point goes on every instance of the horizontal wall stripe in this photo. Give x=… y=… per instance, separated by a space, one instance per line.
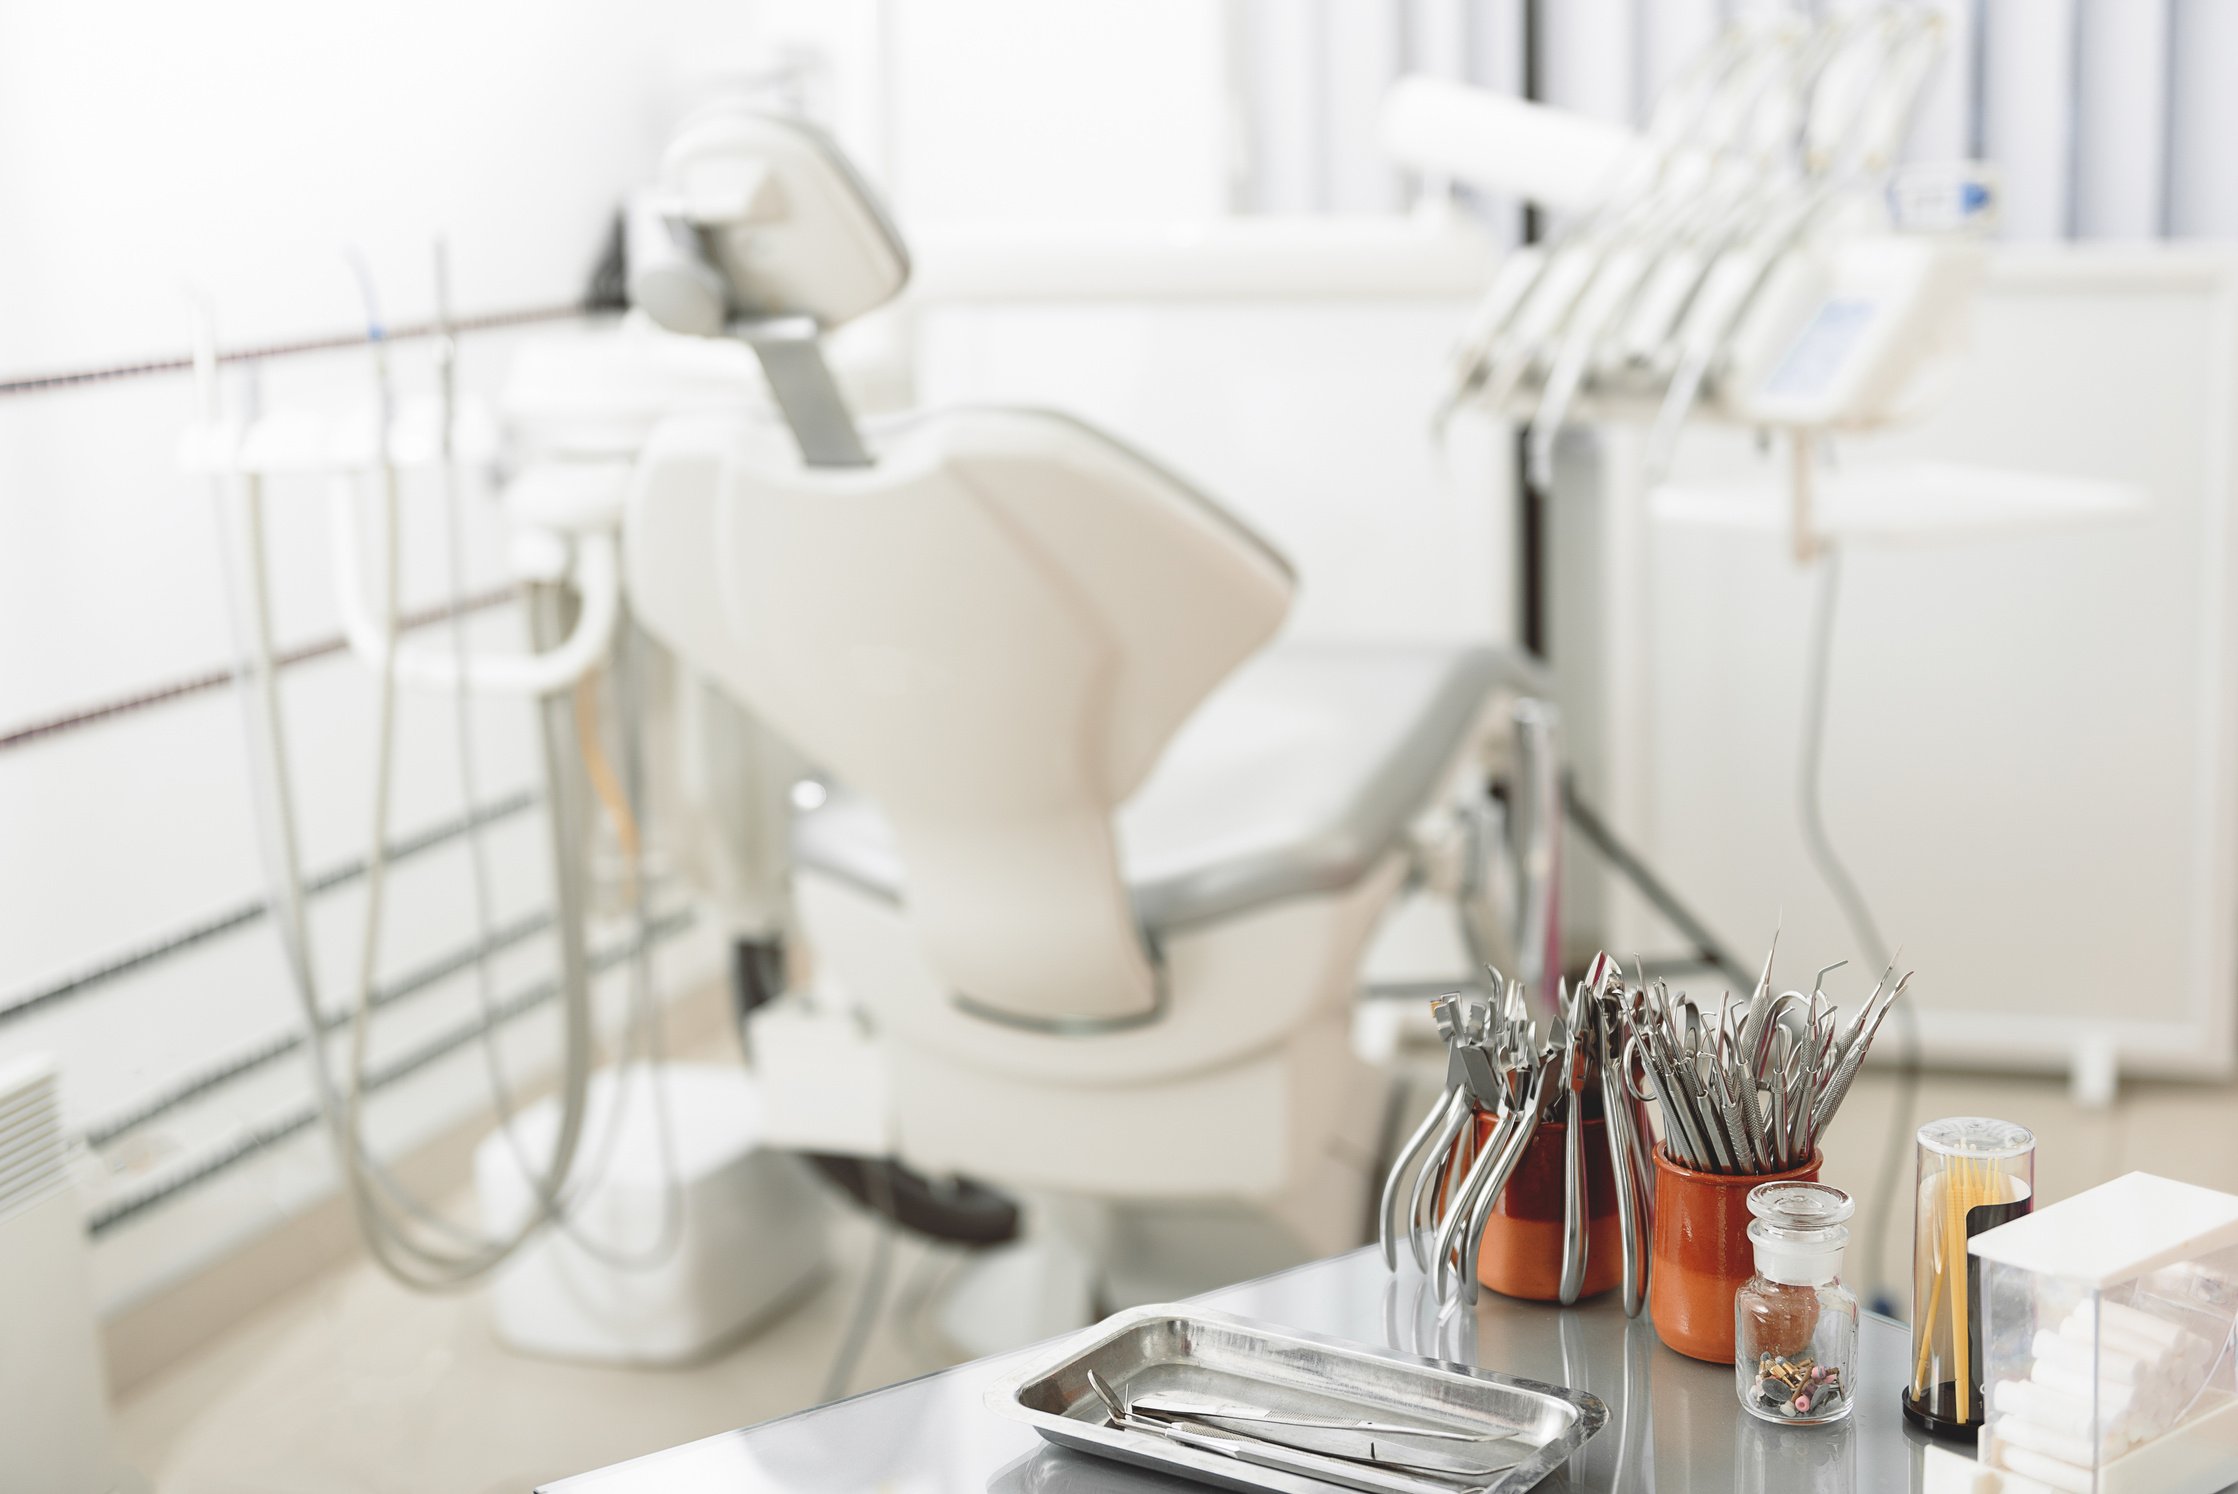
x=302 y=1117
x=159 y=947
x=184 y=363
x=197 y=684
x=249 y=1060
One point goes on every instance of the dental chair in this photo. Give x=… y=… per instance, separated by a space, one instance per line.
x=1089 y=893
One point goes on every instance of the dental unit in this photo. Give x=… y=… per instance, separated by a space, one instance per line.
x=1073 y=845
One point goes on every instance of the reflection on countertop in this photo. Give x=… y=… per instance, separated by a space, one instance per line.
x=1675 y=1425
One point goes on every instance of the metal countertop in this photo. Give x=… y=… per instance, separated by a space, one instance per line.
x=1675 y=1426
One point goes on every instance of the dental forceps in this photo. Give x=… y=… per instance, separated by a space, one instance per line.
x=1442 y=1010
x=1577 y=1049
x=1462 y=1023
x=1620 y=1120
x=1498 y=1067
x=1462 y=1238
x=1480 y=1037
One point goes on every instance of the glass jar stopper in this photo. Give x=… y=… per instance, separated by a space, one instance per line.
x=1798 y=1231
x=1801 y=1208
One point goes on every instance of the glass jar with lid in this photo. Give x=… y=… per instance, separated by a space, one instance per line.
x=1794 y=1323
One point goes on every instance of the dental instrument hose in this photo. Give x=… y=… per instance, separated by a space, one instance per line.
x=462 y=718
x=864 y=1318
x=362 y=1172
x=416 y=1262
x=1810 y=804
x=389 y=1239
x=556 y=1190
x=374 y=1192
x=642 y=1039
x=644 y=1044
x=255 y=672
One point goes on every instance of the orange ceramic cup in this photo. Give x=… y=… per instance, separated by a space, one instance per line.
x=1522 y=1253
x=1702 y=1255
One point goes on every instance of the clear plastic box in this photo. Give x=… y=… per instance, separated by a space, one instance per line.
x=2108 y=1353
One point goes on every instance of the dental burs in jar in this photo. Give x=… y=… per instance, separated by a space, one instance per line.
x=1794 y=1323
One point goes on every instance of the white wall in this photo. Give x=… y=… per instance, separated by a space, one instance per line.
x=1022 y=111
x=1304 y=414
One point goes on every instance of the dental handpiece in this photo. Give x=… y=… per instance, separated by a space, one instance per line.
x=1523 y=276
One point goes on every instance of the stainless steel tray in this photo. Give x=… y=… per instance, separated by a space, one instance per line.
x=1214 y=1356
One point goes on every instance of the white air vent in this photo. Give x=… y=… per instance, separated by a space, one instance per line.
x=54 y=1407
x=31 y=1149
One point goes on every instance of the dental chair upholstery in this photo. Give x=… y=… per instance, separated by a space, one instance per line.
x=1298 y=772
x=1100 y=865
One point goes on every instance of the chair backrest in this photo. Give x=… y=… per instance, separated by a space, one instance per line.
x=992 y=632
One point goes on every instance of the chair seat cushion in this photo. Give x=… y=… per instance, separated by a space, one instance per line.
x=1296 y=776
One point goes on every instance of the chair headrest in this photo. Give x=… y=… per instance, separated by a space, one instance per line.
x=760 y=215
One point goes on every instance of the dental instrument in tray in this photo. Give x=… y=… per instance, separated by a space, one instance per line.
x=1499 y=1066
x=1253 y=1406
x=1275 y=1438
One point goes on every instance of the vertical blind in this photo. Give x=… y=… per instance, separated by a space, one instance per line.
x=2107 y=119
